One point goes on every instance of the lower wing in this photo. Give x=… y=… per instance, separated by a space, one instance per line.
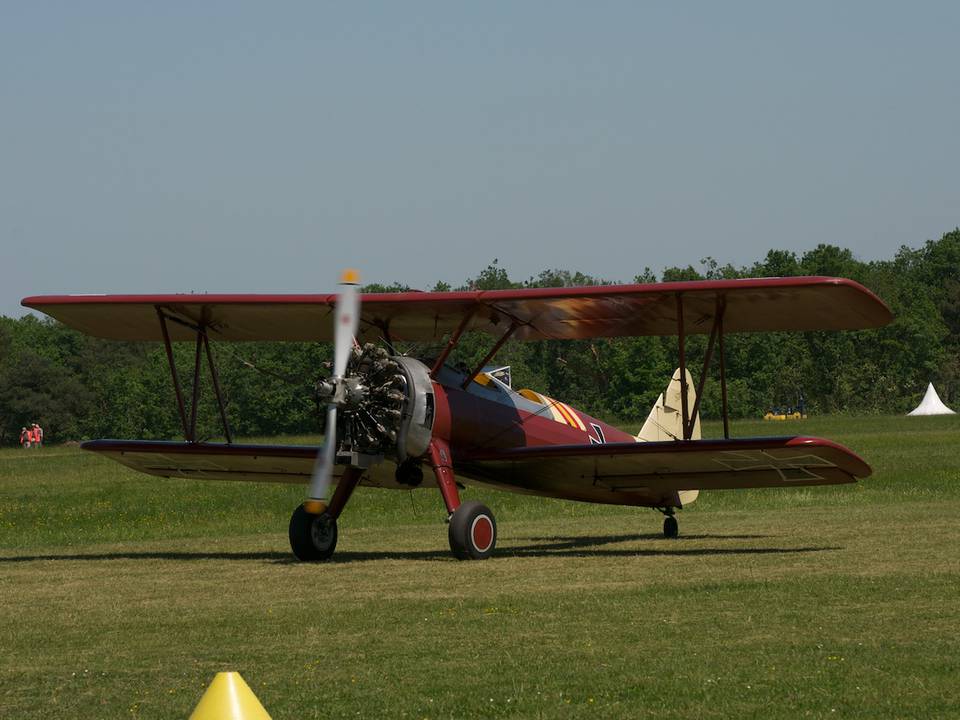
x=211 y=461
x=644 y=473
x=653 y=473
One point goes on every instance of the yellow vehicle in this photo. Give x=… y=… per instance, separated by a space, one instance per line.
x=785 y=414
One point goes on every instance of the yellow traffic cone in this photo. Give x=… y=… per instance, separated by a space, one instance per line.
x=229 y=698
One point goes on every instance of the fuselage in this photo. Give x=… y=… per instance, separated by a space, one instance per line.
x=488 y=415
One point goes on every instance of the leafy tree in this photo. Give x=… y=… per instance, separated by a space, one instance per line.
x=675 y=274
x=34 y=388
x=828 y=260
x=777 y=263
x=391 y=288
x=492 y=277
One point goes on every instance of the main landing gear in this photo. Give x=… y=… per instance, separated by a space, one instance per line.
x=472 y=532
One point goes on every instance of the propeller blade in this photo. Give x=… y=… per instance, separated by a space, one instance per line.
x=323 y=466
x=346 y=319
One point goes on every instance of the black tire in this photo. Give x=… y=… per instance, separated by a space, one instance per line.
x=312 y=537
x=473 y=531
x=671 y=528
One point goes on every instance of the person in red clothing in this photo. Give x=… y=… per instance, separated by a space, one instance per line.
x=24 y=438
x=37 y=436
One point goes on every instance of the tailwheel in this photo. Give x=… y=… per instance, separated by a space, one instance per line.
x=312 y=537
x=473 y=531
x=671 y=528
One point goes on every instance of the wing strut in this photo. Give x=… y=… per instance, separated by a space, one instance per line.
x=716 y=338
x=682 y=349
x=215 y=377
x=493 y=351
x=706 y=367
x=173 y=372
x=452 y=342
x=195 y=404
x=203 y=344
x=721 y=309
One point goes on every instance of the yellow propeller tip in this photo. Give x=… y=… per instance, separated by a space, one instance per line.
x=315 y=507
x=350 y=277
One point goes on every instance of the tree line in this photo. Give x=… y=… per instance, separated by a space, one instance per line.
x=79 y=387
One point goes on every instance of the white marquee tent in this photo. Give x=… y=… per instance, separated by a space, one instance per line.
x=931 y=404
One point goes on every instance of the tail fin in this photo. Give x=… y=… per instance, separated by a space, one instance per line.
x=665 y=419
x=665 y=422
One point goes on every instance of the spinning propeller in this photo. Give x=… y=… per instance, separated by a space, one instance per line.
x=367 y=388
x=346 y=318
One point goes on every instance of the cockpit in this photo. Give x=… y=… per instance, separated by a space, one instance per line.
x=499 y=379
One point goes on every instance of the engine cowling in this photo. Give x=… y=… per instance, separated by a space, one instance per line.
x=416 y=423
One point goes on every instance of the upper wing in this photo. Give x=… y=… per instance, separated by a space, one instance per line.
x=756 y=304
x=613 y=472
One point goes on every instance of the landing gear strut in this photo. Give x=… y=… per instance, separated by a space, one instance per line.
x=313 y=537
x=473 y=531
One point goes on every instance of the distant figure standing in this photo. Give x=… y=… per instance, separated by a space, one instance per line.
x=37 y=435
x=25 y=436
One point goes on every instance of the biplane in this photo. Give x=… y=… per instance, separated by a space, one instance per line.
x=399 y=421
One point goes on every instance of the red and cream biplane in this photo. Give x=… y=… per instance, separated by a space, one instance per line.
x=390 y=417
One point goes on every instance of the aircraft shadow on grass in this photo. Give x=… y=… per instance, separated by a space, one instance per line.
x=575 y=546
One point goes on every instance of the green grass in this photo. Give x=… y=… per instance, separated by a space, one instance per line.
x=121 y=595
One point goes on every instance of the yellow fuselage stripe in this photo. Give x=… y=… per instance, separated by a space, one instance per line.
x=576 y=418
x=557 y=415
x=563 y=414
x=552 y=407
x=568 y=416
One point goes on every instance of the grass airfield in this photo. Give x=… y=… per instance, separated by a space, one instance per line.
x=122 y=595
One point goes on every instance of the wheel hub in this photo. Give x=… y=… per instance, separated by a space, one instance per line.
x=321 y=532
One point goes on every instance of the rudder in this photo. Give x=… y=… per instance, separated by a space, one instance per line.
x=665 y=421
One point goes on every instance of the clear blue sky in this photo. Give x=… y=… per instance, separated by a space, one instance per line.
x=231 y=146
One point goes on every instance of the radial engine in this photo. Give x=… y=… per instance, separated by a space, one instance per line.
x=386 y=405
